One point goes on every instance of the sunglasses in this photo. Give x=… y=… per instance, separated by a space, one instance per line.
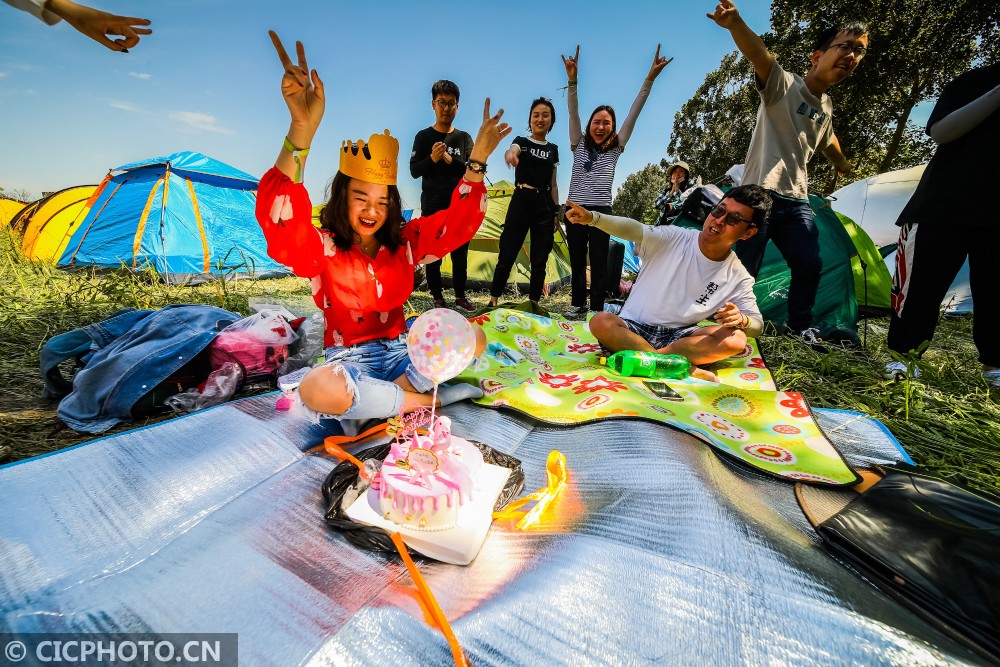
x=731 y=219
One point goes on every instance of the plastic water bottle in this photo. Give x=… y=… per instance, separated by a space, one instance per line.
x=648 y=364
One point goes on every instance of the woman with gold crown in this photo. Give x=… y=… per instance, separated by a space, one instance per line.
x=361 y=261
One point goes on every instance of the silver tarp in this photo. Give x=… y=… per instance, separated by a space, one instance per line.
x=659 y=551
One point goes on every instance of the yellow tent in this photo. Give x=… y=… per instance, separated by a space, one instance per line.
x=49 y=228
x=8 y=209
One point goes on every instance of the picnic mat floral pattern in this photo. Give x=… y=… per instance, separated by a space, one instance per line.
x=548 y=367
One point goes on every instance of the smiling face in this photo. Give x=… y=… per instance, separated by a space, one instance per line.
x=367 y=208
x=601 y=127
x=717 y=237
x=832 y=65
x=540 y=120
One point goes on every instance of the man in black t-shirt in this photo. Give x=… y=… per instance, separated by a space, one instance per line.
x=949 y=218
x=439 y=155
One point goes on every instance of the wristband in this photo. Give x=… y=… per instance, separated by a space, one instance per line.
x=476 y=167
x=296 y=154
x=595 y=218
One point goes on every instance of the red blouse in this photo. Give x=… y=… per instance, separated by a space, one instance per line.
x=361 y=298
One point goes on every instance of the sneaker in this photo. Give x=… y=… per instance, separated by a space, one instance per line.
x=464 y=303
x=896 y=370
x=440 y=303
x=577 y=313
x=992 y=377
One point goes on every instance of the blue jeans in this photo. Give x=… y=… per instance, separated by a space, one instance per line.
x=370 y=368
x=792 y=228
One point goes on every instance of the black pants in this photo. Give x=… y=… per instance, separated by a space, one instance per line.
x=459 y=273
x=529 y=211
x=578 y=237
x=792 y=227
x=926 y=265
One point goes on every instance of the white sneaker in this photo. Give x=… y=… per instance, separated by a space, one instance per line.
x=896 y=370
x=577 y=313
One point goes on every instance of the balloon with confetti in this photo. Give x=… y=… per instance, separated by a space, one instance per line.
x=441 y=344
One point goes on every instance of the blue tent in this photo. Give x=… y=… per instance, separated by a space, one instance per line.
x=185 y=215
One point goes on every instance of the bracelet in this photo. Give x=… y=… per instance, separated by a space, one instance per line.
x=595 y=218
x=571 y=83
x=745 y=323
x=476 y=167
x=297 y=153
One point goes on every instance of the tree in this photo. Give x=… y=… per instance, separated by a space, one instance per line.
x=636 y=196
x=19 y=194
x=712 y=130
x=917 y=46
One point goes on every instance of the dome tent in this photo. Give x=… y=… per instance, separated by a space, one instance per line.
x=185 y=215
x=47 y=225
x=875 y=204
x=484 y=249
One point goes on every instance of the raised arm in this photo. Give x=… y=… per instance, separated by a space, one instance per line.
x=305 y=98
x=625 y=131
x=747 y=41
x=97 y=25
x=956 y=124
x=572 y=65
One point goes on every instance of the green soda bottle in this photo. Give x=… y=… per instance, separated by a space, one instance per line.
x=648 y=364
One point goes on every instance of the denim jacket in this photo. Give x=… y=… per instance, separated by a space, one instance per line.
x=132 y=352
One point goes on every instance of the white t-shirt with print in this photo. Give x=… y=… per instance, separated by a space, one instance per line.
x=678 y=286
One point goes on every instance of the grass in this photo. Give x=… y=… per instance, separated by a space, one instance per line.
x=949 y=419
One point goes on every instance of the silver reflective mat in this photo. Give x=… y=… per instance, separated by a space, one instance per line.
x=658 y=551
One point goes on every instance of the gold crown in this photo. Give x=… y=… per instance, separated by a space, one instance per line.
x=375 y=162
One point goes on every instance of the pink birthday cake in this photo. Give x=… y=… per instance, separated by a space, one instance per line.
x=426 y=479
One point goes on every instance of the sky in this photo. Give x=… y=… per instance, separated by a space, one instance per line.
x=207 y=79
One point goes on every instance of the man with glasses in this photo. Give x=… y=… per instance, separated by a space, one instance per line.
x=793 y=122
x=687 y=276
x=439 y=157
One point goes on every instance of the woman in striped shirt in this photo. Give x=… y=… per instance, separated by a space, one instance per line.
x=595 y=155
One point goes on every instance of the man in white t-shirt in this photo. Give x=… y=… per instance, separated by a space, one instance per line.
x=687 y=276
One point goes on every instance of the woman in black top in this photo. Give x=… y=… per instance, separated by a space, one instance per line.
x=534 y=204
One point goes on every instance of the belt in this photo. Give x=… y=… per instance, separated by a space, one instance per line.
x=525 y=186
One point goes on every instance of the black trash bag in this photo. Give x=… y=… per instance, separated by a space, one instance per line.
x=343 y=486
x=932 y=546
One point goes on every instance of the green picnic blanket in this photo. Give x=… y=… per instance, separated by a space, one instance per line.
x=547 y=367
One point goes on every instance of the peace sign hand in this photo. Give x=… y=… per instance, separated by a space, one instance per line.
x=302 y=90
x=658 y=65
x=491 y=132
x=571 y=63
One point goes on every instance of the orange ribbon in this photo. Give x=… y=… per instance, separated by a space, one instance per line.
x=333 y=443
x=430 y=602
x=555 y=472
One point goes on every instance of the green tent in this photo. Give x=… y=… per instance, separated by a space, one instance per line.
x=853 y=274
x=485 y=246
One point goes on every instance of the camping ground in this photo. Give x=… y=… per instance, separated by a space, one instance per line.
x=948 y=420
